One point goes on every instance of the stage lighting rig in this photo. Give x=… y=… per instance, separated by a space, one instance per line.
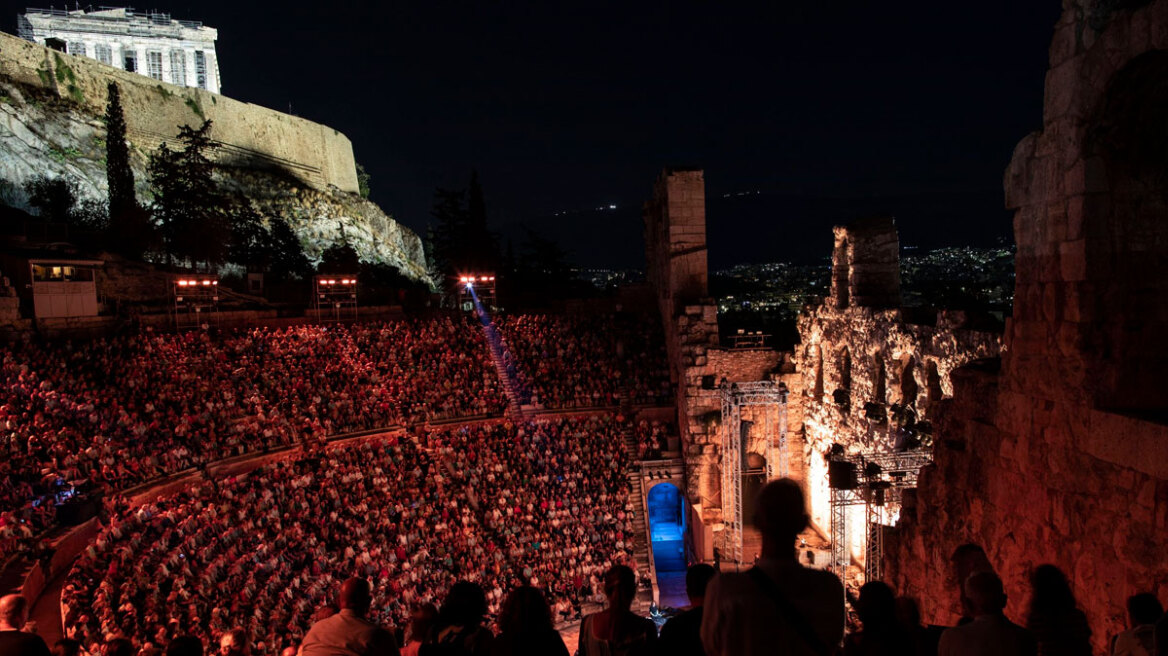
x=335 y=297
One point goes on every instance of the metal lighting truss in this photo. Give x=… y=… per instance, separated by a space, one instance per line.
x=771 y=398
x=882 y=478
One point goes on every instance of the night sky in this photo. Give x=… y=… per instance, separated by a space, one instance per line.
x=821 y=111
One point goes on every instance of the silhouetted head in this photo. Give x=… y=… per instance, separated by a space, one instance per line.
x=185 y=645
x=985 y=594
x=908 y=613
x=620 y=586
x=525 y=612
x=1050 y=591
x=876 y=606
x=422 y=620
x=697 y=577
x=13 y=611
x=66 y=647
x=1144 y=608
x=967 y=560
x=356 y=595
x=465 y=605
x=780 y=514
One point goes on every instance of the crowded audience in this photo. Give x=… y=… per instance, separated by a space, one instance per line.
x=120 y=411
x=265 y=551
x=563 y=362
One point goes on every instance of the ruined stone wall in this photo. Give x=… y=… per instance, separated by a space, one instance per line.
x=854 y=364
x=675 y=243
x=249 y=134
x=865 y=264
x=1062 y=456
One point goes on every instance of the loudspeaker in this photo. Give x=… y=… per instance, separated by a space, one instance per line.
x=842 y=475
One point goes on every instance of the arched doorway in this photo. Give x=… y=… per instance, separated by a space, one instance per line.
x=667 y=527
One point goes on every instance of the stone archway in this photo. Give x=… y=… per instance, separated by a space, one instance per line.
x=665 y=506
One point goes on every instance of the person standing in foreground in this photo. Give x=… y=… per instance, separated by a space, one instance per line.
x=989 y=633
x=682 y=634
x=13 y=641
x=779 y=606
x=348 y=633
x=616 y=630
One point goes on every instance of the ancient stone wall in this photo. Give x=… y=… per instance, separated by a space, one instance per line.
x=1062 y=456
x=863 y=368
x=250 y=135
x=676 y=253
x=865 y=264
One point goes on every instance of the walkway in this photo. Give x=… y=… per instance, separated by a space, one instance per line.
x=495 y=344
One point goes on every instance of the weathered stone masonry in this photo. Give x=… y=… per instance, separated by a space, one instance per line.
x=1062 y=456
x=861 y=353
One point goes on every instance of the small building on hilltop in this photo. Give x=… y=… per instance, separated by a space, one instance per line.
x=153 y=44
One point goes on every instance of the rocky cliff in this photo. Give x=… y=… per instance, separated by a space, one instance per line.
x=52 y=124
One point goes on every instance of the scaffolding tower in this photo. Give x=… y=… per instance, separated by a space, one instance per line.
x=875 y=480
x=769 y=399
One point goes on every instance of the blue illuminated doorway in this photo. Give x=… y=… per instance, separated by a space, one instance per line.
x=667 y=527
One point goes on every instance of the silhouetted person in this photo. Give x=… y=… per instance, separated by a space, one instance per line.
x=233 y=643
x=13 y=640
x=779 y=606
x=185 y=645
x=988 y=633
x=682 y=634
x=1057 y=624
x=421 y=623
x=616 y=630
x=967 y=560
x=881 y=634
x=525 y=626
x=1143 y=610
x=459 y=630
x=922 y=640
x=348 y=633
x=66 y=647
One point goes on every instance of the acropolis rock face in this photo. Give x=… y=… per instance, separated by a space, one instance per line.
x=1062 y=456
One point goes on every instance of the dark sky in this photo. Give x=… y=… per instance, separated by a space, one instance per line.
x=830 y=110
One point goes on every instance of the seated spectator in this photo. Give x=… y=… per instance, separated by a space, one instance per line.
x=117 y=647
x=525 y=626
x=14 y=641
x=1143 y=610
x=682 y=634
x=459 y=628
x=616 y=631
x=233 y=643
x=779 y=605
x=422 y=620
x=66 y=647
x=348 y=633
x=988 y=632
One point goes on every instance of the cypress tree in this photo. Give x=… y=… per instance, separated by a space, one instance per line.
x=129 y=225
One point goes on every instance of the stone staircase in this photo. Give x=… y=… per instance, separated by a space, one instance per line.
x=510 y=387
